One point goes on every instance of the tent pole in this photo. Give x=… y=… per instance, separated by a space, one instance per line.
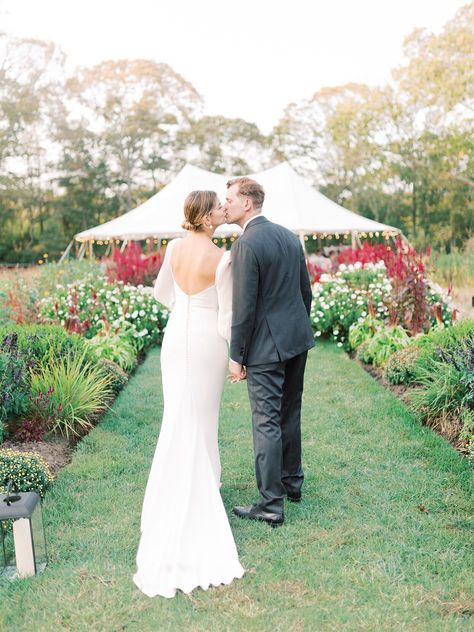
x=124 y=245
x=66 y=252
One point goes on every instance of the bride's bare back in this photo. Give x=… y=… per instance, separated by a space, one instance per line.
x=194 y=262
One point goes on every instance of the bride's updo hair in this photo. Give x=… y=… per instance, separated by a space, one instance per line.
x=197 y=205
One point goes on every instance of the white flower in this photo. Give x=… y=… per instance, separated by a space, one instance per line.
x=134 y=314
x=339 y=344
x=317 y=334
x=142 y=312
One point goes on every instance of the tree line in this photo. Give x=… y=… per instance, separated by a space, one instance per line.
x=77 y=150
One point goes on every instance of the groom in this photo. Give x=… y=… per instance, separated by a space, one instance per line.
x=271 y=335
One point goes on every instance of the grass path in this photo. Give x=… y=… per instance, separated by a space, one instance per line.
x=382 y=541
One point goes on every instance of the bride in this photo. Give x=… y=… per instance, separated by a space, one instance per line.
x=186 y=540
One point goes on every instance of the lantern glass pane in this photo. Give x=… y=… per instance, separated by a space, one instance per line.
x=39 y=542
x=8 y=559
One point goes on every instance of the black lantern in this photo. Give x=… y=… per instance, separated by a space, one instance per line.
x=23 y=540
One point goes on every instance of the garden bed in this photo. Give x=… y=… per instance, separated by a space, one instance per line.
x=57 y=452
x=446 y=430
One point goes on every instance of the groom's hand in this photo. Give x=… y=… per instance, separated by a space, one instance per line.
x=237 y=372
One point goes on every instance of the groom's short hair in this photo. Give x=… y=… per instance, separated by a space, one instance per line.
x=249 y=188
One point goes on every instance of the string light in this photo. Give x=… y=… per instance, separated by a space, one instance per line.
x=165 y=242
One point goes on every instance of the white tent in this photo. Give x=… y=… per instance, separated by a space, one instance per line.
x=289 y=200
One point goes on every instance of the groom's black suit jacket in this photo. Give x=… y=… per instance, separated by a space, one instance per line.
x=271 y=295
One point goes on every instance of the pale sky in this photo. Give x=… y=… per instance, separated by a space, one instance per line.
x=248 y=58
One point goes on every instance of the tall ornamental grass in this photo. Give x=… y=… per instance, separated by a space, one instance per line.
x=77 y=392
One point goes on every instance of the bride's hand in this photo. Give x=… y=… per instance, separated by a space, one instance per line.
x=236 y=372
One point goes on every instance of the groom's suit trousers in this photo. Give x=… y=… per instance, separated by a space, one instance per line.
x=275 y=392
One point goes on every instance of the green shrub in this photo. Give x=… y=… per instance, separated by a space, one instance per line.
x=441 y=393
x=363 y=330
x=342 y=299
x=44 y=343
x=117 y=375
x=24 y=347
x=401 y=365
x=384 y=342
x=116 y=346
x=14 y=384
x=443 y=338
x=76 y=391
x=28 y=471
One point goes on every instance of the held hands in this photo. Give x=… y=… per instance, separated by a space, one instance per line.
x=236 y=372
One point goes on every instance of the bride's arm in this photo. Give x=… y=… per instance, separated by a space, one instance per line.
x=164 y=285
x=224 y=295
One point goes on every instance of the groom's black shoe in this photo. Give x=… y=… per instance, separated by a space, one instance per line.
x=294 y=497
x=254 y=512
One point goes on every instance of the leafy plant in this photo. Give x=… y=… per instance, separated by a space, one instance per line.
x=43 y=343
x=14 y=386
x=441 y=392
x=28 y=471
x=78 y=390
x=117 y=375
x=363 y=330
x=33 y=428
x=114 y=345
x=443 y=340
x=377 y=349
x=401 y=366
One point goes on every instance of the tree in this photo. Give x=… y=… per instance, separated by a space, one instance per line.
x=136 y=108
x=225 y=145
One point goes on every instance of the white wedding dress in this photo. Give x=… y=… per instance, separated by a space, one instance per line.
x=186 y=540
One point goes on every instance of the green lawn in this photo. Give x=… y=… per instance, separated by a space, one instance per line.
x=382 y=541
